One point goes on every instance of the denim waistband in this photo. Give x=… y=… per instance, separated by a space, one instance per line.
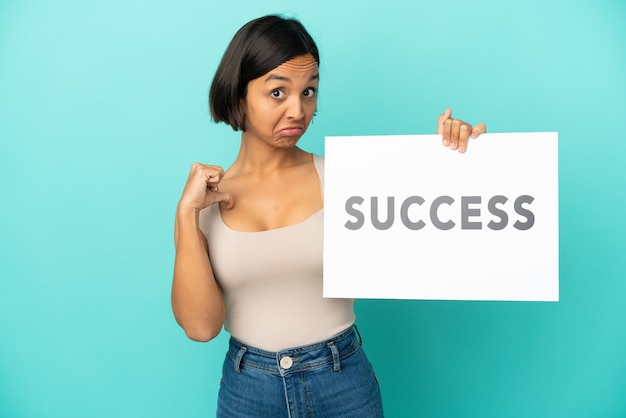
x=296 y=359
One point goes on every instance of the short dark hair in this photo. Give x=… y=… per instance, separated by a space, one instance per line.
x=256 y=49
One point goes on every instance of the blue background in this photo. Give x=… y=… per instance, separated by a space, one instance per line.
x=103 y=109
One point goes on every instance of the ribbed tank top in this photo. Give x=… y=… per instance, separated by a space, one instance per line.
x=272 y=281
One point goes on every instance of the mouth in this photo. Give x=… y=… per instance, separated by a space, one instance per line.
x=291 y=131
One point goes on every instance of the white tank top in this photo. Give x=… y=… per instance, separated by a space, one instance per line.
x=272 y=281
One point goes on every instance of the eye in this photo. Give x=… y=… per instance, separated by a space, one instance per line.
x=277 y=94
x=310 y=92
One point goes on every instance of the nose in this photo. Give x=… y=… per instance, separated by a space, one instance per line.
x=295 y=110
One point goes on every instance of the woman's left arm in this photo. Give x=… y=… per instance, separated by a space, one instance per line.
x=455 y=133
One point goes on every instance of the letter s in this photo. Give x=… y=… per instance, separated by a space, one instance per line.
x=524 y=212
x=350 y=209
x=494 y=210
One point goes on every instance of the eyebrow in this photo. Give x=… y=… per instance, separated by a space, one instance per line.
x=287 y=79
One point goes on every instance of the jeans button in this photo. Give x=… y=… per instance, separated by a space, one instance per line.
x=286 y=362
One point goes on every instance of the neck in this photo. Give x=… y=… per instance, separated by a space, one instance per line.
x=258 y=156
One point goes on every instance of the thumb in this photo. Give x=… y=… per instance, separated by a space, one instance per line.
x=481 y=128
x=445 y=115
x=225 y=198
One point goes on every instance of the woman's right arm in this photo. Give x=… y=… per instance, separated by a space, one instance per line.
x=197 y=299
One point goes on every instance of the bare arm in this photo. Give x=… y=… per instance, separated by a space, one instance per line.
x=197 y=299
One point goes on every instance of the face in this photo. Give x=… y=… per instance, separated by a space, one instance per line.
x=279 y=105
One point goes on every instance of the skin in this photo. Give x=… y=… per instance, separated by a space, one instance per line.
x=271 y=184
x=456 y=133
x=272 y=181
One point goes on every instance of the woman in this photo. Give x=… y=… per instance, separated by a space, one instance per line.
x=249 y=241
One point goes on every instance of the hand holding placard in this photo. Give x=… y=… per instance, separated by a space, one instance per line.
x=455 y=133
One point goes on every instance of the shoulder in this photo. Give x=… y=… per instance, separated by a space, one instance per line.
x=318 y=160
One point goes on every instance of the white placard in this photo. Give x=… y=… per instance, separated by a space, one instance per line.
x=476 y=226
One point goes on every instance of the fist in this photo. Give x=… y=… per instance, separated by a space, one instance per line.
x=201 y=189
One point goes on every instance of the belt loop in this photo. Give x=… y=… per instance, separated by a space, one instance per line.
x=335 y=351
x=238 y=358
x=359 y=334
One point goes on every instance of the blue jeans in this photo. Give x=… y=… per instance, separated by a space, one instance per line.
x=331 y=378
